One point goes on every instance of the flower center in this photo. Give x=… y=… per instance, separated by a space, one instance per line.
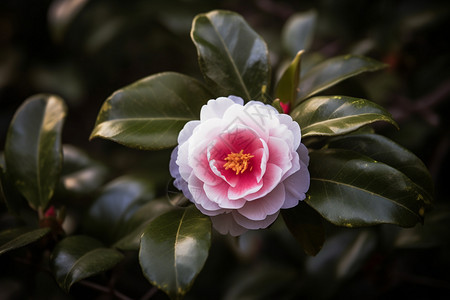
x=238 y=162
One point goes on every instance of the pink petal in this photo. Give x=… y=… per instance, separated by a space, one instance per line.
x=303 y=154
x=218 y=194
x=251 y=224
x=225 y=223
x=199 y=195
x=270 y=180
x=259 y=209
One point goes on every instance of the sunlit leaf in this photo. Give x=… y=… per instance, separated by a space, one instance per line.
x=19 y=237
x=298 y=32
x=33 y=151
x=334 y=70
x=150 y=113
x=386 y=151
x=335 y=115
x=306 y=226
x=174 y=248
x=232 y=56
x=81 y=174
x=116 y=204
x=352 y=190
x=286 y=89
x=78 y=257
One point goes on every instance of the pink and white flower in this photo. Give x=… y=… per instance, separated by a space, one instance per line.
x=240 y=164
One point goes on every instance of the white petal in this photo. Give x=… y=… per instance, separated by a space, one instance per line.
x=293 y=127
x=303 y=154
x=225 y=223
x=215 y=108
x=187 y=131
x=251 y=224
x=259 y=209
x=296 y=186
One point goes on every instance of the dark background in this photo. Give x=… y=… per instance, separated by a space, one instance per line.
x=84 y=53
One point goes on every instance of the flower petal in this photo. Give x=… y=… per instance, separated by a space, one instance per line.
x=187 y=131
x=270 y=180
x=259 y=209
x=225 y=223
x=219 y=195
x=215 y=108
x=252 y=224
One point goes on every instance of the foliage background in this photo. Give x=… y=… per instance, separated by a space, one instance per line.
x=83 y=53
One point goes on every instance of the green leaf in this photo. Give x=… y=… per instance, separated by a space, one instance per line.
x=306 y=226
x=78 y=257
x=116 y=204
x=33 y=151
x=81 y=174
x=286 y=89
x=135 y=226
x=297 y=33
x=386 y=151
x=352 y=190
x=335 y=115
x=334 y=70
x=233 y=58
x=174 y=248
x=19 y=237
x=150 y=113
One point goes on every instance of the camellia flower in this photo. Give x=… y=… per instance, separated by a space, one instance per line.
x=240 y=164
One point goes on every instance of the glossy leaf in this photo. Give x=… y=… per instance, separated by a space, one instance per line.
x=306 y=225
x=133 y=228
x=352 y=190
x=150 y=113
x=286 y=89
x=232 y=56
x=116 y=204
x=33 y=151
x=174 y=248
x=19 y=237
x=335 y=115
x=81 y=175
x=78 y=257
x=386 y=151
x=333 y=71
x=298 y=32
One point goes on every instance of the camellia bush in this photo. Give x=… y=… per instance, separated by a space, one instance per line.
x=248 y=153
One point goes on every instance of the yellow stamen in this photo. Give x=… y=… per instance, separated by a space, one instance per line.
x=238 y=162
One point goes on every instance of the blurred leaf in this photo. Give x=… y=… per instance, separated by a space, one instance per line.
x=150 y=113
x=286 y=89
x=33 y=148
x=306 y=226
x=61 y=14
x=116 y=204
x=174 y=248
x=81 y=174
x=343 y=255
x=298 y=32
x=335 y=115
x=386 y=151
x=352 y=190
x=136 y=224
x=78 y=257
x=333 y=71
x=263 y=282
x=18 y=237
x=232 y=56
x=433 y=233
